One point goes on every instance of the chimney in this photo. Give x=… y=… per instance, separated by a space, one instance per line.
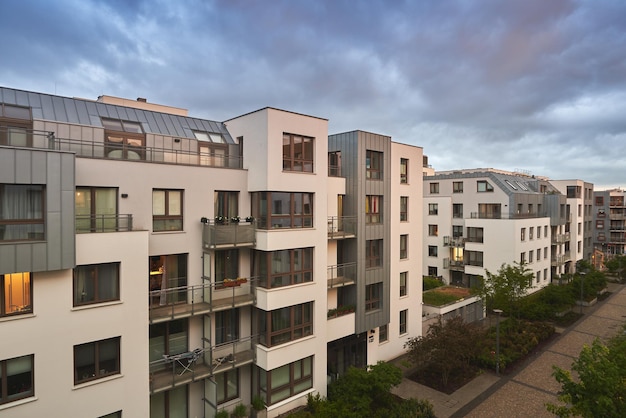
x=142 y=99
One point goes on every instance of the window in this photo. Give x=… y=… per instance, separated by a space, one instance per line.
x=373 y=209
x=167 y=210
x=286 y=381
x=275 y=210
x=123 y=139
x=545 y=274
x=297 y=153
x=15 y=126
x=545 y=252
x=433 y=271
x=432 y=251
x=434 y=188
x=96 y=283
x=167 y=272
x=169 y=404
x=383 y=334
x=599 y=200
x=433 y=230
x=283 y=267
x=457 y=231
x=457 y=187
x=579 y=246
x=404 y=208
x=96 y=209
x=522 y=258
x=212 y=148
x=16 y=378
x=22 y=212
x=226 y=204
x=531 y=232
x=96 y=360
x=404 y=171
x=600 y=224
x=373 y=165
x=404 y=246
x=510 y=184
x=433 y=208
x=373 y=253
x=286 y=324
x=403 y=318
x=334 y=164
x=538 y=232
x=457 y=210
x=538 y=275
x=523 y=234
x=489 y=210
x=484 y=186
x=475 y=234
x=373 y=295
x=227 y=385
x=538 y=254
x=16 y=290
x=474 y=258
x=167 y=338
x=226 y=266
x=226 y=326
x=545 y=231
x=403 y=283
x=530 y=256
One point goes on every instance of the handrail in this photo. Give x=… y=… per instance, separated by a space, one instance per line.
x=104 y=223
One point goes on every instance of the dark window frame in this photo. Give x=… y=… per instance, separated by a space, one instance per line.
x=374 y=253
x=404 y=283
x=373 y=209
x=374 y=165
x=26 y=389
x=221 y=379
x=404 y=208
x=433 y=230
x=433 y=188
x=126 y=139
x=96 y=283
x=39 y=233
x=296 y=368
x=457 y=187
x=373 y=297
x=269 y=280
x=9 y=309
x=404 y=246
x=167 y=218
x=263 y=208
x=433 y=208
x=483 y=186
x=99 y=372
x=403 y=321
x=294 y=162
x=298 y=325
x=404 y=171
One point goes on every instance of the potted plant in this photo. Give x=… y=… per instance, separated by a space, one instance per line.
x=235 y=219
x=222 y=414
x=230 y=283
x=220 y=220
x=241 y=411
x=332 y=313
x=258 y=407
x=249 y=219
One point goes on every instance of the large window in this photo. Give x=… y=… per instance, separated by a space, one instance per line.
x=474 y=258
x=167 y=210
x=297 y=153
x=403 y=321
x=457 y=187
x=286 y=324
x=96 y=360
x=373 y=165
x=96 y=209
x=404 y=170
x=96 y=283
x=484 y=186
x=274 y=210
x=227 y=385
x=457 y=210
x=286 y=381
x=22 y=212
x=226 y=326
x=170 y=404
x=404 y=208
x=15 y=126
x=17 y=378
x=226 y=265
x=167 y=338
x=373 y=253
x=373 y=209
x=373 y=296
x=123 y=139
x=212 y=149
x=475 y=234
x=168 y=279
x=227 y=204
x=16 y=292
x=404 y=246
x=283 y=267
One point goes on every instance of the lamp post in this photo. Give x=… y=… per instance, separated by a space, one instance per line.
x=498 y=312
x=582 y=279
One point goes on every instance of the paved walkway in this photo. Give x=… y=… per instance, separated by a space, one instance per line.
x=525 y=393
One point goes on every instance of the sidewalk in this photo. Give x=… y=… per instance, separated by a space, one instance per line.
x=525 y=392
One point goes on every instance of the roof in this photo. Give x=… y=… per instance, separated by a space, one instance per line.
x=87 y=112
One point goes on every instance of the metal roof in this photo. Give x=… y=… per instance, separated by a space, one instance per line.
x=85 y=112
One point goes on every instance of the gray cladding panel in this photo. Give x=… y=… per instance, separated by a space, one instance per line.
x=23 y=164
x=7 y=165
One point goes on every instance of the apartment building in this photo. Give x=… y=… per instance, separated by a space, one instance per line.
x=157 y=264
x=609 y=222
x=477 y=220
x=578 y=226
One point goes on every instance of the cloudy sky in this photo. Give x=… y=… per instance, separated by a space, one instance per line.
x=531 y=85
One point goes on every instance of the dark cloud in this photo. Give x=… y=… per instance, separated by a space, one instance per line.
x=535 y=85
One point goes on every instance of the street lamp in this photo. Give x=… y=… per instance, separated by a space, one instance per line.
x=498 y=312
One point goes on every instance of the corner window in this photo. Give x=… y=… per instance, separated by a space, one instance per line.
x=403 y=283
x=167 y=210
x=96 y=283
x=373 y=209
x=22 y=212
x=373 y=253
x=403 y=321
x=475 y=234
x=16 y=290
x=474 y=258
x=275 y=210
x=483 y=186
x=457 y=187
x=283 y=267
x=96 y=360
x=373 y=165
x=17 y=378
x=297 y=153
x=404 y=171
x=286 y=324
x=404 y=208
x=123 y=139
x=373 y=296
x=404 y=247
x=434 y=188
x=286 y=381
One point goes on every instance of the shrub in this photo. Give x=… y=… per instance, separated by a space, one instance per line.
x=431 y=283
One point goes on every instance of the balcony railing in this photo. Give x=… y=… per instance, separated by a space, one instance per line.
x=104 y=223
x=560 y=238
x=341 y=275
x=340 y=227
x=228 y=234
x=186 y=301
x=231 y=354
x=453 y=241
x=334 y=171
x=559 y=259
x=490 y=215
x=453 y=264
x=102 y=150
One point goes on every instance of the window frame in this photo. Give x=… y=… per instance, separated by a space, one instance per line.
x=292 y=329
x=433 y=230
x=6 y=297
x=168 y=218
x=404 y=283
x=373 y=209
x=433 y=251
x=383 y=334
x=96 y=283
x=483 y=186
x=373 y=297
x=305 y=273
x=263 y=208
x=404 y=247
x=293 y=385
x=127 y=139
x=404 y=171
x=433 y=188
x=292 y=160
x=4 y=384
x=404 y=208
x=403 y=321
x=373 y=253
x=374 y=165
x=433 y=209
x=37 y=224
x=224 y=377
x=99 y=372
x=457 y=187
x=13 y=121
x=457 y=210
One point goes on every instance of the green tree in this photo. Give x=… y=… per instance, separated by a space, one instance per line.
x=447 y=346
x=617 y=266
x=505 y=289
x=599 y=390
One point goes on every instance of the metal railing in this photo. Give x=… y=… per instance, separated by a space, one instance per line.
x=560 y=238
x=453 y=241
x=488 y=215
x=341 y=275
x=340 y=227
x=334 y=171
x=104 y=223
x=228 y=234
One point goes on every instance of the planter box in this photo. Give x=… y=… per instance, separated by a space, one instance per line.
x=585 y=303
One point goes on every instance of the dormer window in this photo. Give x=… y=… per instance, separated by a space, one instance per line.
x=15 y=123
x=209 y=137
x=123 y=139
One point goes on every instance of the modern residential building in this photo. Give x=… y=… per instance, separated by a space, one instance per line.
x=477 y=220
x=157 y=264
x=609 y=222
x=578 y=226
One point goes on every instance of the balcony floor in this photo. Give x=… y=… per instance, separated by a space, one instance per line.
x=340 y=282
x=185 y=310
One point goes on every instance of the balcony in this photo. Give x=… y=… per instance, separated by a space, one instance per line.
x=104 y=223
x=341 y=275
x=341 y=227
x=560 y=259
x=560 y=238
x=228 y=234
x=185 y=301
x=453 y=241
x=458 y=265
